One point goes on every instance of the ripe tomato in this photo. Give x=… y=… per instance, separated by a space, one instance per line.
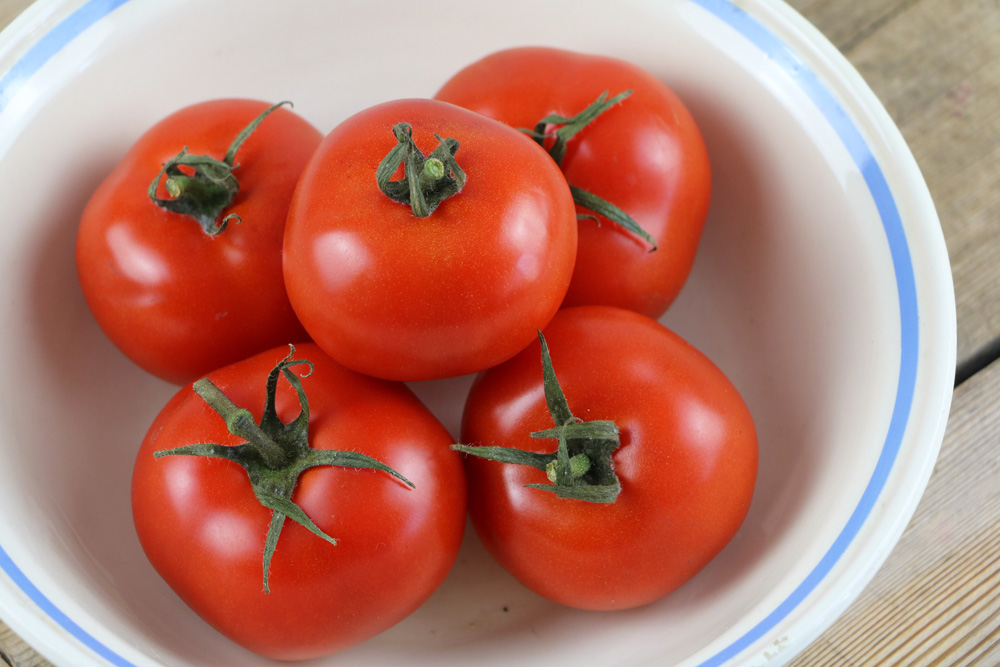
x=645 y=155
x=403 y=297
x=683 y=461
x=204 y=528
x=177 y=300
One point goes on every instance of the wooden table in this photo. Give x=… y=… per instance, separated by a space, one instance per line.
x=935 y=64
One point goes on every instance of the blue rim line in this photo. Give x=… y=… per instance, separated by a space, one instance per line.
x=849 y=134
x=50 y=44
x=11 y=83
x=56 y=614
x=766 y=41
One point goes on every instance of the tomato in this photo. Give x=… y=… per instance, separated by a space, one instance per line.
x=176 y=299
x=403 y=297
x=204 y=527
x=682 y=468
x=645 y=155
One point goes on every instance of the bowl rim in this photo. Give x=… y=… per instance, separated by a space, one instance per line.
x=826 y=77
x=830 y=81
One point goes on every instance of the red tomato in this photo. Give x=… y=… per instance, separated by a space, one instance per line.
x=645 y=155
x=176 y=300
x=406 y=298
x=204 y=530
x=686 y=462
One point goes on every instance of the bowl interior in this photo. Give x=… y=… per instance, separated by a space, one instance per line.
x=793 y=295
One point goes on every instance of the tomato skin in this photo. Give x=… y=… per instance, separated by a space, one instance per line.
x=175 y=300
x=403 y=298
x=203 y=529
x=646 y=155
x=687 y=462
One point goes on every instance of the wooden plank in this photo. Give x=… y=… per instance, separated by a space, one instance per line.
x=847 y=23
x=935 y=65
x=18 y=653
x=9 y=9
x=936 y=601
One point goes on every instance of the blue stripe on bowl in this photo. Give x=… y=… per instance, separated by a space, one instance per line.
x=50 y=44
x=848 y=132
x=56 y=614
x=53 y=41
x=12 y=82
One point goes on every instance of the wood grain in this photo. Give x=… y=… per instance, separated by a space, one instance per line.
x=19 y=653
x=9 y=9
x=847 y=23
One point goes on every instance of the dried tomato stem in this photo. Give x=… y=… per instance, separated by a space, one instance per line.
x=201 y=186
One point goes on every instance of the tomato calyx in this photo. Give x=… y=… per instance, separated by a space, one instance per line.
x=581 y=468
x=427 y=180
x=566 y=127
x=275 y=453
x=201 y=186
x=557 y=130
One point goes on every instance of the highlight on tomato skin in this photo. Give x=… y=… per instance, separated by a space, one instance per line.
x=394 y=291
x=369 y=466
x=644 y=155
x=178 y=251
x=686 y=461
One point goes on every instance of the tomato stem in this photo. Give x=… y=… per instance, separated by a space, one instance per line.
x=240 y=423
x=592 y=202
x=433 y=169
x=581 y=468
x=201 y=186
x=275 y=453
x=427 y=180
x=565 y=128
x=578 y=467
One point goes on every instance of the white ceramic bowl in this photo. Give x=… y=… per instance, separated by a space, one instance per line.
x=822 y=288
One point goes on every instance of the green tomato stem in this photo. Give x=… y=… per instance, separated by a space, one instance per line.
x=275 y=453
x=201 y=186
x=567 y=127
x=240 y=423
x=582 y=467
